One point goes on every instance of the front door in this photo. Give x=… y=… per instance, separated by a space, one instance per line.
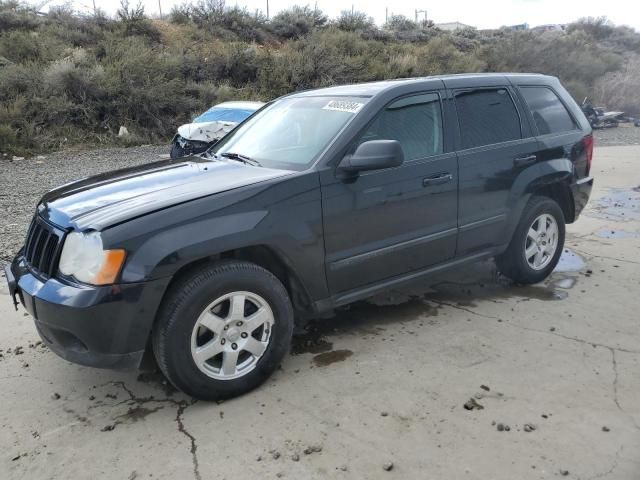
x=389 y=222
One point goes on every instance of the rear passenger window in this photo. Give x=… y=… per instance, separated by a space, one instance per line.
x=549 y=113
x=415 y=122
x=486 y=117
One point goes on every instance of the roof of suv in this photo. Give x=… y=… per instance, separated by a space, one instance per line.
x=370 y=89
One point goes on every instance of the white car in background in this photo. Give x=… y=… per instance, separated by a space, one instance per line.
x=211 y=126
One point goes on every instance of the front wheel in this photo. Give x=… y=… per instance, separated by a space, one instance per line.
x=222 y=331
x=537 y=243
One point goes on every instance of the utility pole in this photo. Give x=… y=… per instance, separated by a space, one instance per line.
x=159 y=7
x=352 y=9
x=386 y=15
x=267 y=9
x=425 y=15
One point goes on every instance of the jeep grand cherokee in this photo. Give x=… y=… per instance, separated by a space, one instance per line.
x=319 y=199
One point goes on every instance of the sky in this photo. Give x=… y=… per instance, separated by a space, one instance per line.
x=478 y=13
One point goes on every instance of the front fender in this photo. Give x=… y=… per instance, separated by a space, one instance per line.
x=283 y=214
x=166 y=252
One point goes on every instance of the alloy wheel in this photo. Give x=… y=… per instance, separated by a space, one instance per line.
x=541 y=242
x=231 y=335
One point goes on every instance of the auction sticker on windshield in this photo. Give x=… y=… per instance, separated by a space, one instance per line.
x=343 y=106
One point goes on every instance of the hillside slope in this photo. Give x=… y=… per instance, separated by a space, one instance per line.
x=69 y=80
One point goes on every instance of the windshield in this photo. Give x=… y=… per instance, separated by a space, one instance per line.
x=217 y=114
x=292 y=132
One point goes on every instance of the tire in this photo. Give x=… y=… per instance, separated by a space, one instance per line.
x=177 y=151
x=177 y=342
x=513 y=262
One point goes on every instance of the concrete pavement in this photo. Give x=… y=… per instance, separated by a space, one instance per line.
x=382 y=384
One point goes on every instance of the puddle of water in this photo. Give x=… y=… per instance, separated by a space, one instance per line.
x=608 y=233
x=565 y=283
x=365 y=317
x=468 y=294
x=618 y=205
x=487 y=285
x=421 y=300
x=570 y=262
x=327 y=358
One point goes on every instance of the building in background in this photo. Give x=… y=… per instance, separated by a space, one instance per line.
x=552 y=27
x=452 y=26
x=521 y=26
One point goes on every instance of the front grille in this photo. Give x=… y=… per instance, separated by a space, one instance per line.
x=43 y=246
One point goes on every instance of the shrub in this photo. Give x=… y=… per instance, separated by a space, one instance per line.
x=17 y=16
x=297 y=21
x=355 y=21
x=620 y=90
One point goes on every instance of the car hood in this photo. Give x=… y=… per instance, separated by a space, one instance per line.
x=111 y=198
x=206 y=131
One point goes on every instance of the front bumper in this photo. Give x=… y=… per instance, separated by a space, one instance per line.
x=105 y=327
x=581 y=191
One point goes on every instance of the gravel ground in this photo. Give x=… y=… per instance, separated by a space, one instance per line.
x=23 y=182
x=623 y=135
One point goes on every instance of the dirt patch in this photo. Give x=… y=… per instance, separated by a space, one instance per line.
x=327 y=358
x=134 y=414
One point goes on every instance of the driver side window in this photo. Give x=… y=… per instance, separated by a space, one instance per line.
x=415 y=122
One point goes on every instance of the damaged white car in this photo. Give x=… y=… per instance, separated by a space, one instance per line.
x=211 y=126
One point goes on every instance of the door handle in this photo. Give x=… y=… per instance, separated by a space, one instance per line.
x=522 y=161
x=437 y=179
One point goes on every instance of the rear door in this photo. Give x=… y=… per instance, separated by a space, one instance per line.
x=495 y=145
x=389 y=222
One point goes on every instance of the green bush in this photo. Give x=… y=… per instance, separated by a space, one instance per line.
x=297 y=21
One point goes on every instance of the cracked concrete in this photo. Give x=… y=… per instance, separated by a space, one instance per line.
x=563 y=356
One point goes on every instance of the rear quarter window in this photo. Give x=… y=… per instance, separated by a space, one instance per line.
x=549 y=113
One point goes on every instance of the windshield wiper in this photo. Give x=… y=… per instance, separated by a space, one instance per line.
x=241 y=158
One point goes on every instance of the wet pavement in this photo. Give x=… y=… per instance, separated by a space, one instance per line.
x=465 y=376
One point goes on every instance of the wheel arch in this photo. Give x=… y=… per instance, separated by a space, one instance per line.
x=262 y=255
x=549 y=179
x=266 y=257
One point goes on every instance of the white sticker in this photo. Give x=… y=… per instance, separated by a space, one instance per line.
x=343 y=106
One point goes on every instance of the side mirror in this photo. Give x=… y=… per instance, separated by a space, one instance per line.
x=373 y=155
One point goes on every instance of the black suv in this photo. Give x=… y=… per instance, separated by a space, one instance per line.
x=319 y=199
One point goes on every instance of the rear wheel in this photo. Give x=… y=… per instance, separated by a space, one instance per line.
x=223 y=331
x=537 y=243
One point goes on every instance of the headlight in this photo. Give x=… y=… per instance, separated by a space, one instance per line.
x=84 y=259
